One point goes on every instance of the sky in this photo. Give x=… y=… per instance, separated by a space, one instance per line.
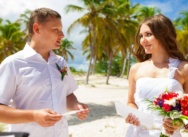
x=11 y=10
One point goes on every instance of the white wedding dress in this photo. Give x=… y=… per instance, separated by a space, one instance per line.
x=150 y=88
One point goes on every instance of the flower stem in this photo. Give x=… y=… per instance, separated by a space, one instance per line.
x=162 y=135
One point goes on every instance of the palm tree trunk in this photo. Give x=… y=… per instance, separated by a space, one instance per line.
x=92 y=44
x=123 y=68
x=109 y=68
x=6 y=53
x=90 y=61
x=93 y=65
x=129 y=62
x=89 y=70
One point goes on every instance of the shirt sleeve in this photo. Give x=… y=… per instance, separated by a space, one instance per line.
x=72 y=86
x=72 y=83
x=8 y=81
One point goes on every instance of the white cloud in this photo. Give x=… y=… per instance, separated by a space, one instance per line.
x=11 y=9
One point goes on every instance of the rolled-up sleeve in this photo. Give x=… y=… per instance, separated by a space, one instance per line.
x=72 y=84
x=8 y=81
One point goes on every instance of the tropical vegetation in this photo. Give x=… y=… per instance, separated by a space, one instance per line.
x=12 y=39
x=182 y=31
x=109 y=27
x=65 y=49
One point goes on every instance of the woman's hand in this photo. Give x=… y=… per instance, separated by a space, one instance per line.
x=131 y=119
x=169 y=127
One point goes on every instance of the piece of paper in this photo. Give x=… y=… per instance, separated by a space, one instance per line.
x=72 y=112
x=124 y=111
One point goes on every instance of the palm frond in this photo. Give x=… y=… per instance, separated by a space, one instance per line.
x=2 y=127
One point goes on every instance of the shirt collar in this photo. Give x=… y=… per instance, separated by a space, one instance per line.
x=29 y=52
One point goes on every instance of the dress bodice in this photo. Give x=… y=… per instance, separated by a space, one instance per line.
x=152 y=87
x=149 y=88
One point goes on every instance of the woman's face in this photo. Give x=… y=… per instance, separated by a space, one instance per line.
x=148 y=40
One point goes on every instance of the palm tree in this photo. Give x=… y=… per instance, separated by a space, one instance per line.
x=182 y=31
x=129 y=23
x=24 y=18
x=124 y=26
x=2 y=127
x=139 y=13
x=90 y=21
x=65 y=48
x=105 y=22
x=145 y=12
x=12 y=39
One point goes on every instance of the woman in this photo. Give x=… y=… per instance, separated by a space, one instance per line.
x=161 y=65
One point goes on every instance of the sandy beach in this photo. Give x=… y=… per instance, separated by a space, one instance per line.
x=103 y=120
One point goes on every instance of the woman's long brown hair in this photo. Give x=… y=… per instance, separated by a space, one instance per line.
x=164 y=31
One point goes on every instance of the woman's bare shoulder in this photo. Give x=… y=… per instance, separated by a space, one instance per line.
x=138 y=65
x=183 y=69
x=135 y=66
x=183 y=66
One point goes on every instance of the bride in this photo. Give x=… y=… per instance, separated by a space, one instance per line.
x=161 y=65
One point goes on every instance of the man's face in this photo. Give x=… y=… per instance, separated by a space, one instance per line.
x=51 y=33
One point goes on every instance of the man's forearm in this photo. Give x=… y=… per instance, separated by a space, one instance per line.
x=71 y=101
x=14 y=116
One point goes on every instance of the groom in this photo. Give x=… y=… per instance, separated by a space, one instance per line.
x=31 y=79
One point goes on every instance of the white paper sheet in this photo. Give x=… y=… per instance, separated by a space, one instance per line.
x=124 y=111
x=72 y=112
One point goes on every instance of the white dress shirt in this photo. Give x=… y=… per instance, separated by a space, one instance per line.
x=34 y=83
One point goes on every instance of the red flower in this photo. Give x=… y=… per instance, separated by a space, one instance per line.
x=156 y=101
x=184 y=103
x=169 y=95
x=185 y=112
x=186 y=98
x=166 y=107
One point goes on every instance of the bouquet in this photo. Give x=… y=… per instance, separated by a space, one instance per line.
x=173 y=105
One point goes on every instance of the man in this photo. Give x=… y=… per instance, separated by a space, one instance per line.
x=32 y=80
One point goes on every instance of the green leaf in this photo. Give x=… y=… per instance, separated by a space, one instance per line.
x=58 y=67
x=162 y=135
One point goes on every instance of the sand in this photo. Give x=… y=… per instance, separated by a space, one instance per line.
x=103 y=120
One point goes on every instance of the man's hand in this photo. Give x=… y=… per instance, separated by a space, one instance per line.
x=83 y=114
x=74 y=104
x=46 y=117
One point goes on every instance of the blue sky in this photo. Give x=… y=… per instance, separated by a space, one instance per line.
x=11 y=9
x=170 y=8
